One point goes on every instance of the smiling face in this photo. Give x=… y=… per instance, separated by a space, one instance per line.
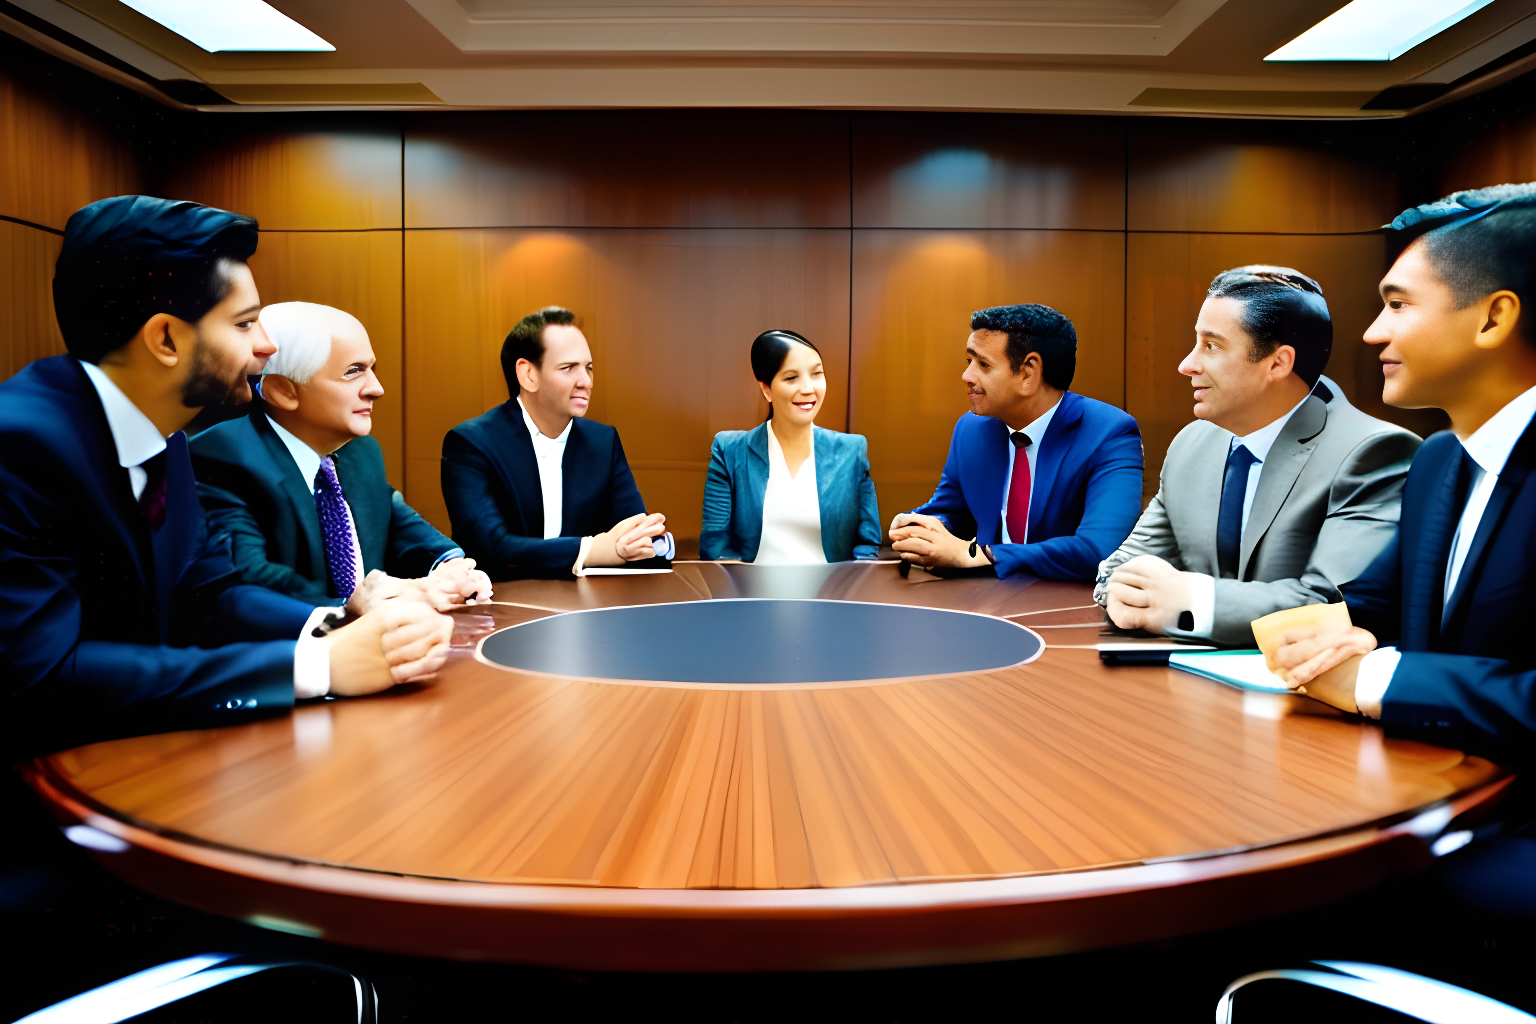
x=560 y=387
x=228 y=345
x=336 y=404
x=991 y=385
x=1231 y=388
x=798 y=388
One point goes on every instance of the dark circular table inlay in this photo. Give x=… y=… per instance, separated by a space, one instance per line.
x=761 y=641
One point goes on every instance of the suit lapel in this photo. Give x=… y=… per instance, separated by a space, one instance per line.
x=179 y=536
x=514 y=458
x=578 y=453
x=1429 y=547
x=294 y=487
x=1516 y=469
x=1287 y=457
x=996 y=454
x=1204 y=468
x=371 y=521
x=1048 y=460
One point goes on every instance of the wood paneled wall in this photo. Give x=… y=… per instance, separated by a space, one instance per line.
x=678 y=236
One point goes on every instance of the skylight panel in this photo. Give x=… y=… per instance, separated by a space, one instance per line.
x=231 y=24
x=1376 y=29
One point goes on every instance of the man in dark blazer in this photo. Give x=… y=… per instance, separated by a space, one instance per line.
x=1454 y=594
x=534 y=488
x=119 y=610
x=263 y=479
x=1047 y=482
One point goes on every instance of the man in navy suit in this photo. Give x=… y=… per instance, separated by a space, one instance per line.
x=533 y=487
x=119 y=611
x=270 y=479
x=1047 y=482
x=1443 y=617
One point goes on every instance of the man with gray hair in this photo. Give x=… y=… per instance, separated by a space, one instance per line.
x=300 y=486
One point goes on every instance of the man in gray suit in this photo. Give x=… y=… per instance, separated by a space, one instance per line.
x=1278 y=493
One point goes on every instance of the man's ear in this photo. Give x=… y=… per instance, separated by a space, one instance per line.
x=1500 y=321
x=163 y=336
x=279 y=391
x=527 y=376
x=1031 y=374
x=1281 y=362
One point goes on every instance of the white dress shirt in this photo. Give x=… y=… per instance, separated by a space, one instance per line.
x=791 y=511
x=1202 y=598
x=1035 y=431
x=1489 y=448
x=549 y=452
x=138 y=440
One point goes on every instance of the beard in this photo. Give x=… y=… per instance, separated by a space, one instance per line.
x=208 y=386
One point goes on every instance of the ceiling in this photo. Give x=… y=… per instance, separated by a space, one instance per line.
x=1090 y=56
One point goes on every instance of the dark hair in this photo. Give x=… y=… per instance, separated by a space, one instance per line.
x=1032 y=327
x=769 y=350
x=1281 y=306
x=526 y=341
x=127 y=258
x=1478 y=242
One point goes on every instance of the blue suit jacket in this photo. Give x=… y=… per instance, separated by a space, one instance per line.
x=496 y=505
x=252 y=489
x=105 y=626
x=1087 y=489
x=738 y=476
x=1469 y=662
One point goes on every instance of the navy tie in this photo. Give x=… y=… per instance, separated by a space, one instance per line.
x=1229 y=524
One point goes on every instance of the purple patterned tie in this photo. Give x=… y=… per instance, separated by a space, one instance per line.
x=335 y=528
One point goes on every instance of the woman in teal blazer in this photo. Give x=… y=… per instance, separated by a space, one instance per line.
x=788 y=492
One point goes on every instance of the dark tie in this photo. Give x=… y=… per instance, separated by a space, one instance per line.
x=1229 y=523
x=152 y=498
x=335 y=529
x=1017 y=515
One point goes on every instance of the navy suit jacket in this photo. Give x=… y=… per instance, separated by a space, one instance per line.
x=107 y=627
x=1469 y=662
x=496 y=505
x=738 y=477
x=1087 y=489
x=252 y=489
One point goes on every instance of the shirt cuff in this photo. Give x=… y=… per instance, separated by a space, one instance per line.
x=579 y=569
x=1202 y=603
x=447 y=556
x=312 y=659
x=1373 y=677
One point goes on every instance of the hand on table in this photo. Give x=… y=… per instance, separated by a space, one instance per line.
x=628 y=541
x=925 y=541
x=455 y=584
x=1147 y=593
x=398 y=642
x=1324 y=662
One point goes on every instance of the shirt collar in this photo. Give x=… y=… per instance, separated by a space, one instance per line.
x=306 y=458
x=1262 y=440
x=534 y=431
x=135 y=435
x=1037 y=429
x=1490 y=445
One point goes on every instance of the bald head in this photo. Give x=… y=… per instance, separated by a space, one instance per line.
x=320 y=386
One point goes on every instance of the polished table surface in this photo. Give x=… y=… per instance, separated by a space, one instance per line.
x=524 y=816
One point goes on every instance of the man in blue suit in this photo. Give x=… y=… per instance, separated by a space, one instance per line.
x=119 y=611
x=533 y=487
x=1443 y=617
x=1047 y=482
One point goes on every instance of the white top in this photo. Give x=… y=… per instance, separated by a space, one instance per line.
x=308 y=461
x=1035 y=431
x=549 y=452
x=138 y=440
x=791 y=511
x=1489 y=448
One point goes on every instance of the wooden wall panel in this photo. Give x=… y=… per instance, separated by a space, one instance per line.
x=360 y=272
x=1505 y=154
x=56 y=158
x=670 y=314
x=1205 y=177
x=660 y=169
x=914 y=292
x=988 y=171
x=28 y=328
x=302 y=181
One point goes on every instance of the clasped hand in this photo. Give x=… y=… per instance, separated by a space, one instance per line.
x=1322 y=659
x=397 y=642
x=925 y=541
x=628 y=541
x=1147 y=593
x=452 y=584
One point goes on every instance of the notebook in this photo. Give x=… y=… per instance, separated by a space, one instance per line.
x=1243 y=669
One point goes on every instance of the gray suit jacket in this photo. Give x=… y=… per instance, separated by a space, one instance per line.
x=1327 y=503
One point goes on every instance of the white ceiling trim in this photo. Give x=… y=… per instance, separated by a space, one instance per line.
x=104 y=38
x=881 y=30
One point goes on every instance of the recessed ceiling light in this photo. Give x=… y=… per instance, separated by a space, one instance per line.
x=1376 y=29
x=231 y=24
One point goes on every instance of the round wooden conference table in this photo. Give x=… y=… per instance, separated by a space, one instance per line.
x=523 y=815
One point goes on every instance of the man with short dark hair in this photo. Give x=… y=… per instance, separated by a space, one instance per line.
x=119 y=611
x=1278 y=493
x=534 y=488
x=1039 y=481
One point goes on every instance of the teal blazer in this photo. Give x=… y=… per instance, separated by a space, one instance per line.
x=738 y=476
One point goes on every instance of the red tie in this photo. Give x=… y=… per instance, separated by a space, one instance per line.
x=1018 y=490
